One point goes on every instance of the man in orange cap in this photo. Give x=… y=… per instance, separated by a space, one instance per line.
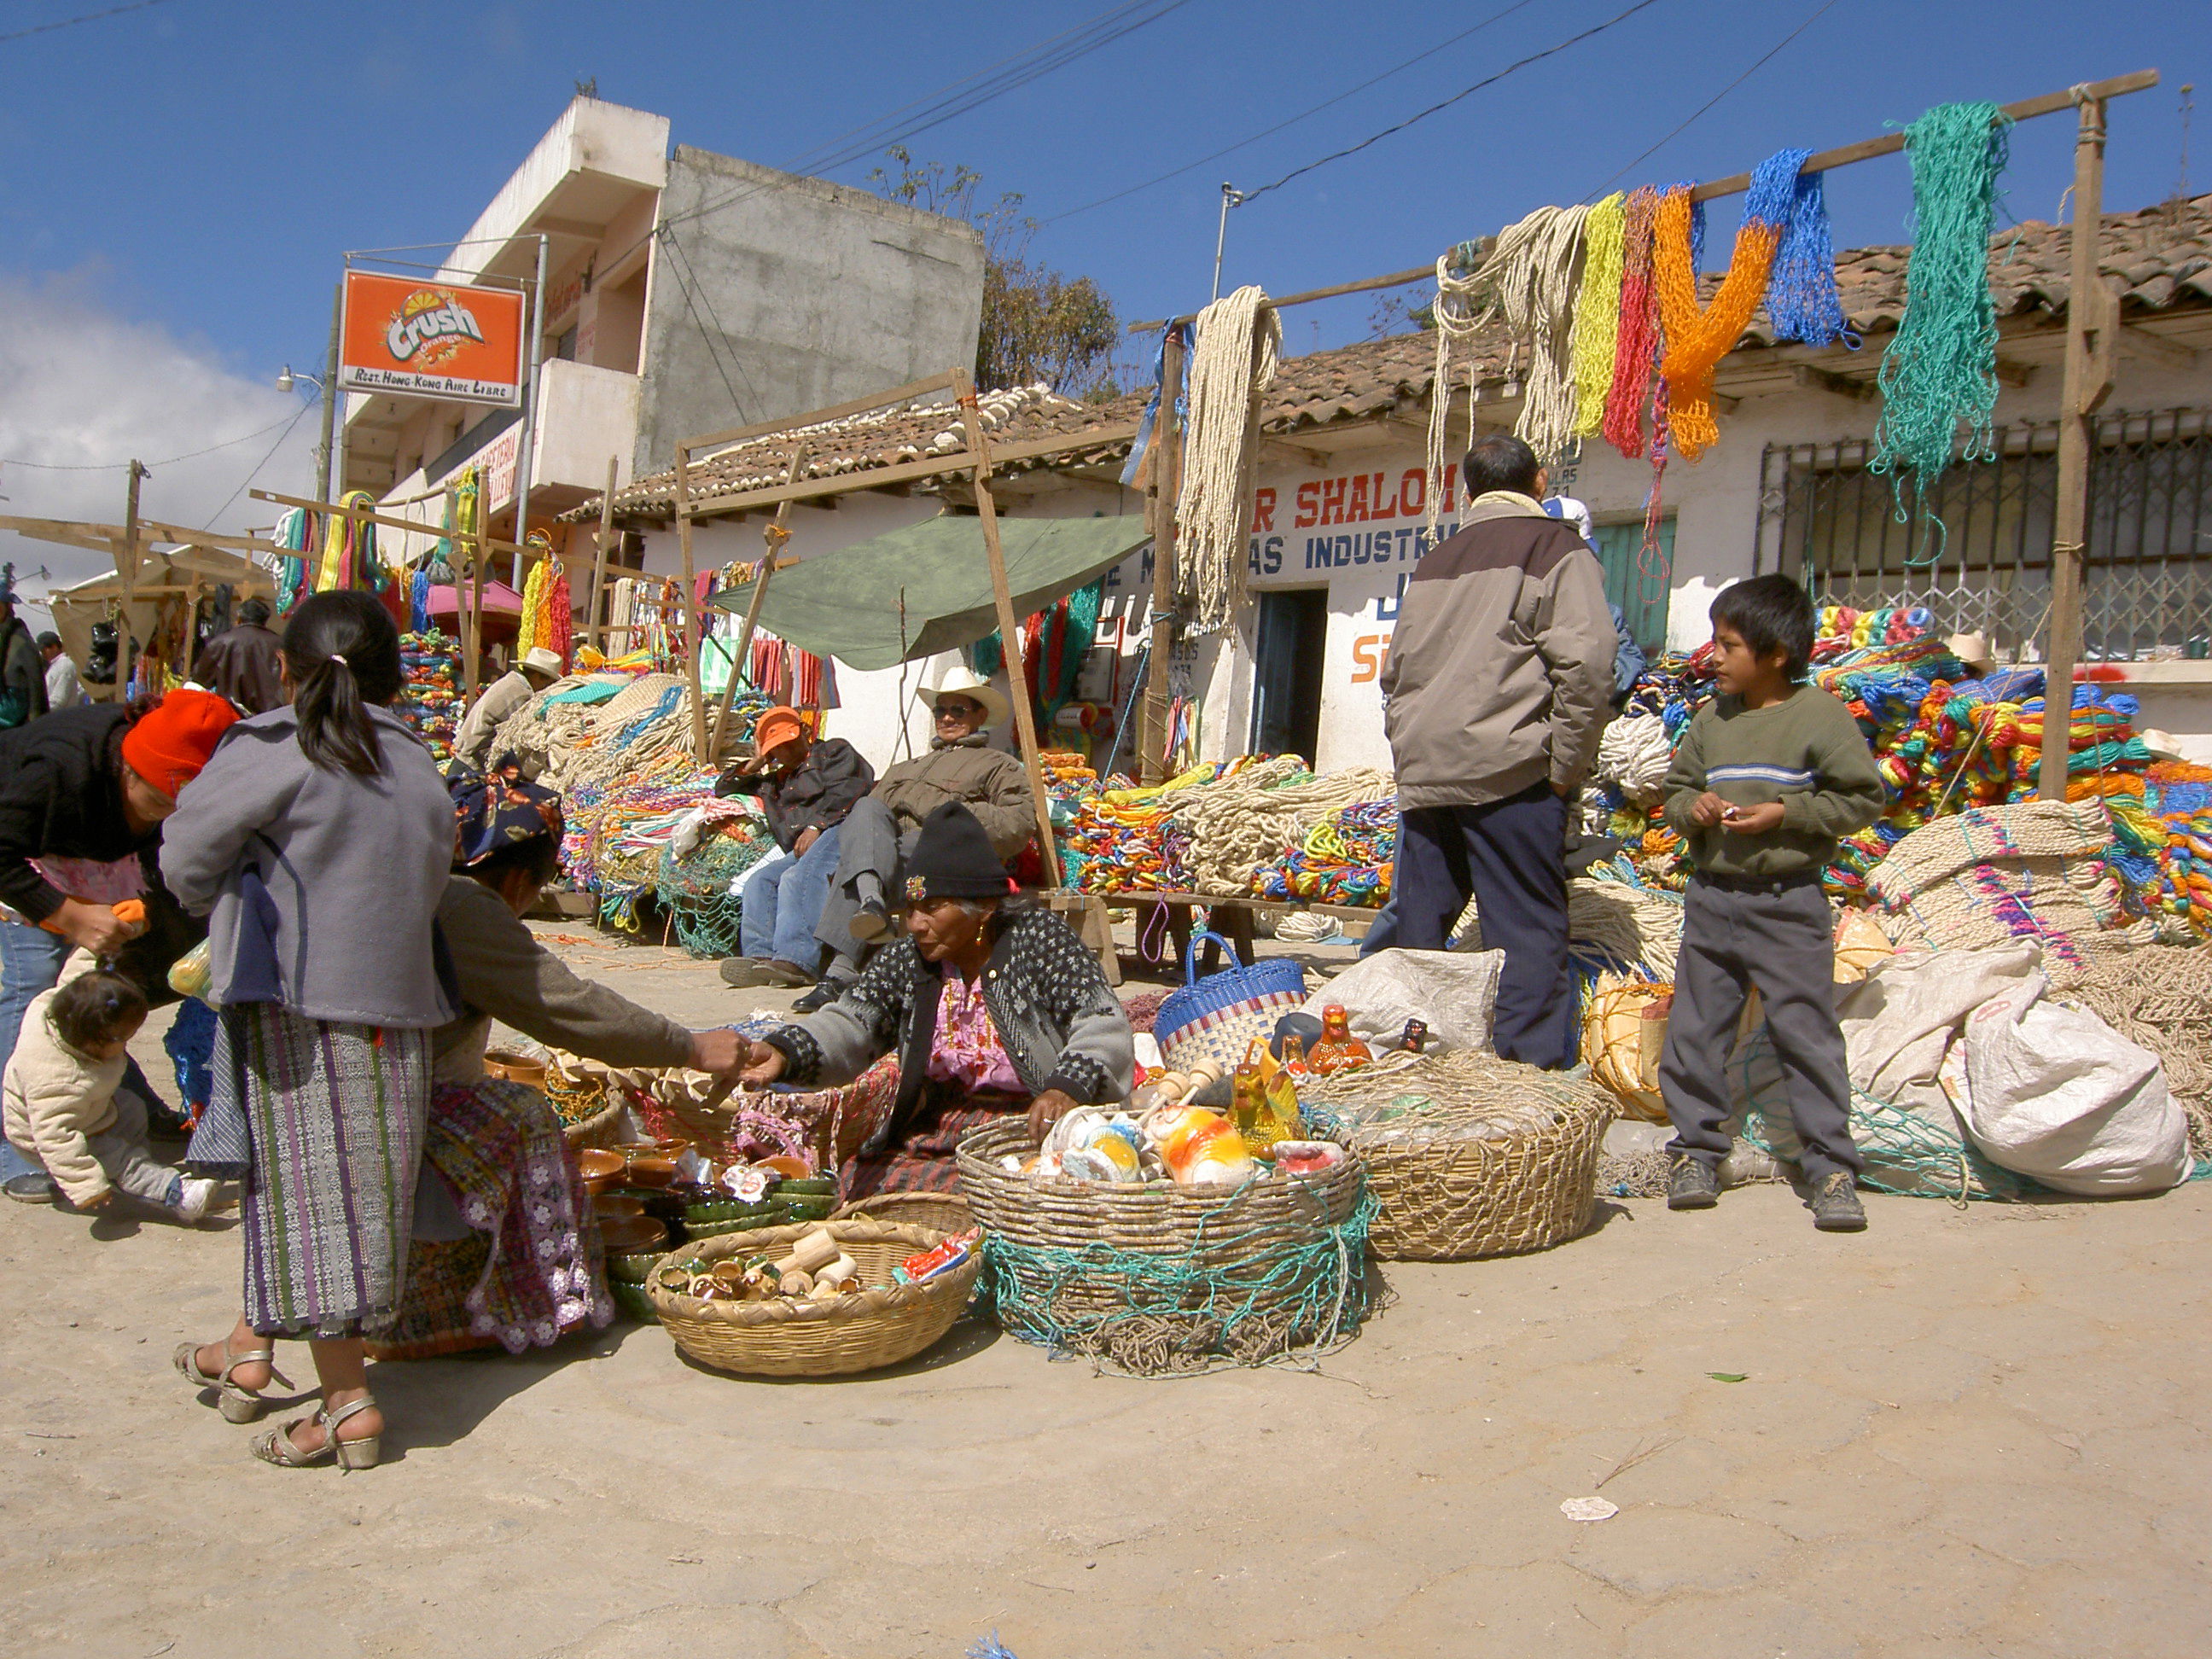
x=805 y=787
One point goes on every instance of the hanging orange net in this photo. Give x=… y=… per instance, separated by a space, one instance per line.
x=1698 y=338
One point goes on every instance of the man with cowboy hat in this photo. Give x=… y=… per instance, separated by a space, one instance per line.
x=879 y=835
x=472 y=743
x=806 y=788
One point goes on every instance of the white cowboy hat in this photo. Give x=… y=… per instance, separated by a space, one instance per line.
x=543 y=661
x=963 y=681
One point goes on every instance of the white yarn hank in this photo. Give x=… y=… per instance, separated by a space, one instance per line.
x=1457 y=315
x=1240 y=340
x=1534 y=272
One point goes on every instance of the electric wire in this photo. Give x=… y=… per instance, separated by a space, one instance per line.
x=117 y=466
x=71 y=22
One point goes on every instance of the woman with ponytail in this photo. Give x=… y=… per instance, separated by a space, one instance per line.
x=318 y=838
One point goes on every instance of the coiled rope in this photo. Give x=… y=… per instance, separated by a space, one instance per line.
x=1240 y=339
x=1942 y=368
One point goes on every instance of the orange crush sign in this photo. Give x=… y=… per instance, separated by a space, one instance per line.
x=431 y=339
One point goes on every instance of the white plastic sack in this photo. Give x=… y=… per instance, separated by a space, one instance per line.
x=1454 y=992
x=2053 y=1093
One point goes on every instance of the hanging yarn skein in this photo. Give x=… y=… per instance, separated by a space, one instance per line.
x=1942 y=368
x=1698 y=338
x=1457 y=316
x=1597 y=310
x=1240 y=339
x=1636 y=348
x=1532 y=271
x=1802 y=299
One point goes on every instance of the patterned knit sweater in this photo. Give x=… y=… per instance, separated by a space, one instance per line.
x=1061 y=1023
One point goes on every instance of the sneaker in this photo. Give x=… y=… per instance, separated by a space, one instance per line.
x=822 y=996
x=1836 y=1206
x=31 y=1187
x=738 y=970
x=873 y=923
x=195 y=1193
x=1691 y=1185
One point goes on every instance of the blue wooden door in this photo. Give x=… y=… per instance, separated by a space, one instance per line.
x=1643 y=599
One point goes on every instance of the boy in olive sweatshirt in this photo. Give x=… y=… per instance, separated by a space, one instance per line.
x=1769 y=775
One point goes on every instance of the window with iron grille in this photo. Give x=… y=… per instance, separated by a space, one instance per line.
x=1986 y=566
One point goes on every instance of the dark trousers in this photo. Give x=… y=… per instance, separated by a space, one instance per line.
x=1509 y=855
x=1785 y=943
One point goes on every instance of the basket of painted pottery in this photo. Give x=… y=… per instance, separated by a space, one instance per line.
x=1467 y=1155
x=1156 y=1278
x=703 y=1295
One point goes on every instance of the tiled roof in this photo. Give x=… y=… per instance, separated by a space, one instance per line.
x=2158 y=258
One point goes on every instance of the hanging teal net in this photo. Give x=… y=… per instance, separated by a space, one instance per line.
x=699 y=893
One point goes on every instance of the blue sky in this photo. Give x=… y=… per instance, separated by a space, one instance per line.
x=178 y=182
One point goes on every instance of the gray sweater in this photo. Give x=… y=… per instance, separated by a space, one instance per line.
x=354 y=866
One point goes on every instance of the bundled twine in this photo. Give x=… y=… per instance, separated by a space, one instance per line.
x=2162 y=1002
x=1240 y=339
x=1533 y=273
x=1245 y=821
x=1636 y=344
x=1597 y=310
x=1458 y=314
x=1940 y=371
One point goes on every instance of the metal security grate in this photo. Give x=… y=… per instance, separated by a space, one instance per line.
x=1823 y=517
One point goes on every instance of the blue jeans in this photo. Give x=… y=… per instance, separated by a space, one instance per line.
x=781 y=902
x=30 y=962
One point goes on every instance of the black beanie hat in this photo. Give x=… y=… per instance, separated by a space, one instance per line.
x=952 y=859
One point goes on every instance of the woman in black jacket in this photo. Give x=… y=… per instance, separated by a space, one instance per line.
x=82 y=794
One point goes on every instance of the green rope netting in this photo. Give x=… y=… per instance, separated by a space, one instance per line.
x=698 y=892
x=1942 y=368
x=1178 y=1315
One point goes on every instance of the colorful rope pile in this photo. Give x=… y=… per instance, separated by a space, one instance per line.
x=431 y=701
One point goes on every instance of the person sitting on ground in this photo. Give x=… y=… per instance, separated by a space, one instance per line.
x=993 y=1010
x=65 y=1104
x=246 y=663
x=64 y=688
x=880 y=834
x=1767 y=777
x=501 y=1254
x=806 y=788
x=480 y=726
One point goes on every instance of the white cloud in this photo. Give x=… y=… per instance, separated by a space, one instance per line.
x=81 y=386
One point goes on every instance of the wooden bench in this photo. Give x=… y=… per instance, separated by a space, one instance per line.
x=1232 y=920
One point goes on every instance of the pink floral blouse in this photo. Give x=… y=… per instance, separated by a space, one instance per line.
x=968 y=1051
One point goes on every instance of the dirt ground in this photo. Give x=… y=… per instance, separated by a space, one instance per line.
x=1960 y=1433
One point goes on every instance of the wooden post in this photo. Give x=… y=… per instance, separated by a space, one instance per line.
x=773 y=536
x=1167 y=474
x=126 y=566
x=2091 y=314
x=1010 y=629
x=692 y=629
x=593 y=635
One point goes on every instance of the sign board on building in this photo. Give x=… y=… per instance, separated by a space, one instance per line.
x=431 y=339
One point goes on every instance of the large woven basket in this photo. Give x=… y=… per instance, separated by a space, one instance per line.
x=1624 y=1031
x=859 y=1332
x=1239 y=1275
x=1455 y=1199
x=1217 y=1017
x=947 y=1212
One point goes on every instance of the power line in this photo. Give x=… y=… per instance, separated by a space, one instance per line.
x=216 y=516
x=683 y=287
x=1468 y=92
x=117 y=466
x=1268 y=132
x=71 y=22
x=1702 y=108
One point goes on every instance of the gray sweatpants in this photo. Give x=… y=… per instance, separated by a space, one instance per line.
x=121 y=1150
x=1785 y=943
x=870 y=846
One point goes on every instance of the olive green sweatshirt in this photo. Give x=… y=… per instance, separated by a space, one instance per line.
x=1804 y=751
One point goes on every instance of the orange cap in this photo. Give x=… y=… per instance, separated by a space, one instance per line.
x=776 y=725
x=173 y=740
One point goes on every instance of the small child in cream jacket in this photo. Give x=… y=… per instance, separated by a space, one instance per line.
x=62 y=1104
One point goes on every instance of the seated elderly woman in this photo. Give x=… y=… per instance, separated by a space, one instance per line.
x=991 y=1009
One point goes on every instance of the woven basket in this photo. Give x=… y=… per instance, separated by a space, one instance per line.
x=877 y=1327
x=602 y=1128
x=1217 y=1017
x=1624 y=1032
x=1454 y=1201
x=947 y=1212
x=1246 y=1235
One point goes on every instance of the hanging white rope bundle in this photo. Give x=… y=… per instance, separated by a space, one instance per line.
x=1457 y=313
x=1240 y=339
x=1534 y=271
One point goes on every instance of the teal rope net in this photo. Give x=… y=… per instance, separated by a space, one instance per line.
x=697 y=894
x=1140 y=1315
x=1941 y=369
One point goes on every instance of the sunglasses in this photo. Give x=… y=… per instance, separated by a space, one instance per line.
x=957 y=711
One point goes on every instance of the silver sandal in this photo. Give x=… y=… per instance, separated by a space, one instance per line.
x=236 y=1403
x=275 y=1445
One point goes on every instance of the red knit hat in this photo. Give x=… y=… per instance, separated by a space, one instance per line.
x=168 y=745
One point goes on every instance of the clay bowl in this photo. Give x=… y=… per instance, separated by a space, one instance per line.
x=631 y=1235
x=599 y=1168
x=608 y=1206
x=790 y=1168
x=650 y=1172
x=515 y=1068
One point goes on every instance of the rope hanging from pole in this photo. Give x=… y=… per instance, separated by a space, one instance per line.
x=1240 y=339
x=1942 y=368
x=1597 y=310
x=1457 y=317
x=1801 y=298
x=1532 y=271
x=1636 y=348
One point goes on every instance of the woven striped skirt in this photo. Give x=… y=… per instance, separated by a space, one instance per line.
x=925 y=1161
x=334 y=1116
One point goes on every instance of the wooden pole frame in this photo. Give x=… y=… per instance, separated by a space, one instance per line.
x=1166 y=480
x=594 y=634
x=774 y=536
x=126 y=566
x=693 y=628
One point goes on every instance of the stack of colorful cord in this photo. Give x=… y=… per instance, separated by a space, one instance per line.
x=1347 y=858
x=431 y=701
x=1125 y=840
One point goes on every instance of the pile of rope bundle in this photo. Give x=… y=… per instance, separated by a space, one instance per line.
x=1240 y=339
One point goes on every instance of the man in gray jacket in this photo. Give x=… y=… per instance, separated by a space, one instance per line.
x=1499 y=680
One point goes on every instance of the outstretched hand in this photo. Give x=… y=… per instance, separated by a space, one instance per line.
x=763 y=1065
x=719 y=1052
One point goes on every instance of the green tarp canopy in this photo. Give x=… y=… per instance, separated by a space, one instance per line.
x=846 y=604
